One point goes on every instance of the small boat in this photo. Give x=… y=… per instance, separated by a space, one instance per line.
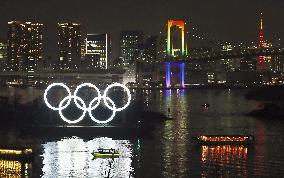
x=206 y=105
x=106 y=153
x=224 y=139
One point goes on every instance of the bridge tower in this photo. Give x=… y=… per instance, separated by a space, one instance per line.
x=170 y=51
x=180 y=24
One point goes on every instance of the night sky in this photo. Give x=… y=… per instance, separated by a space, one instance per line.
x=232 y=20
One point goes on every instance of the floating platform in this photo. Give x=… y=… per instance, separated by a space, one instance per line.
x=224 y=139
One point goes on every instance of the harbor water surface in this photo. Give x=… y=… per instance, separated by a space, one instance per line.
x=171 y=152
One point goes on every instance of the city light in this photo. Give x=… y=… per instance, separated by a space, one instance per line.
x=10 y=168
x=47 y=90
x=75 y=155
x=15 y=151
x=225 y=139
x=142 y=89
x=125 y=89
x=90 y=107
x=168 y=74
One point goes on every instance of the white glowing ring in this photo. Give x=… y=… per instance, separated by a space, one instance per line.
x=47 y=90
x=83 y=106
x=75 y=98
x=87 y=85
x=92 y=108
x=128 y=96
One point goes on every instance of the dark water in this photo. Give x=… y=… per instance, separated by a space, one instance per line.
x=171 y=153
x=178 y=157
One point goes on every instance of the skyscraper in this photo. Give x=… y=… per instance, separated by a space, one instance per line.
x=25 y=47
x=129 y=46
x=97 y=51
x=3 y=54
x=151 y=48
x=148 y=50
x=248 y=64
x=83 y=45
x=69 y=45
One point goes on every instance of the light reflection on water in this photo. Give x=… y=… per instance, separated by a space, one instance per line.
x=15 y=169
x=24 y=95
x=223 y=160
x=181 y=157
x=71 y=157
x=175 y=134
x=171 y=153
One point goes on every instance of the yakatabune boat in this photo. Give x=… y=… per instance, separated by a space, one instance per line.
x=224 y=139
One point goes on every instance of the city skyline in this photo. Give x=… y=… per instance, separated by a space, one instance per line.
x=141 y=89
x=95 y=18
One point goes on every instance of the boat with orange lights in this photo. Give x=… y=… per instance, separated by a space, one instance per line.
x=16 y=153
x=224 y=139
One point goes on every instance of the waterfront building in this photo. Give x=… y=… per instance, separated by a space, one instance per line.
x=151 y=49
x=226 y=64
x=83 y=46
x=25 y=48
x=97 y=51
x=248 y=64
x=69 y=45
x=148 y=50
x=3 y=54
x=129 y=42
x=277 y=64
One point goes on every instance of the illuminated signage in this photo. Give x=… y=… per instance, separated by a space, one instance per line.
x=80 y=103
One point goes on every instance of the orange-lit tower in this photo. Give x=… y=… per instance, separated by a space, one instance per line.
x=260 y=59
x=260 y=42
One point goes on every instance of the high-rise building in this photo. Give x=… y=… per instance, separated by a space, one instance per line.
x=162 y=47
x=83 y=46
x=277 y=64
x=24 y=49
x=69 y=45
x=228 y=64
x=3 y=54
x=129 y=46
x=248 y=64
x=97 y=51
x=148 y=50
x=151 y=48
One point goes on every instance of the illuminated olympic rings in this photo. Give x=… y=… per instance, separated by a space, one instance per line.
x=109 y=103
